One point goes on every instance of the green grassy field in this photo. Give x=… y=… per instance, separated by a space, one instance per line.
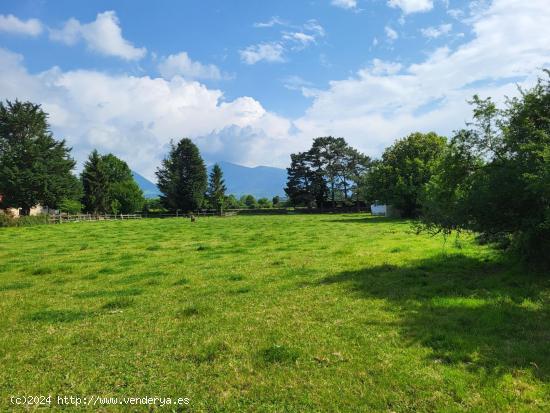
x=271 y=313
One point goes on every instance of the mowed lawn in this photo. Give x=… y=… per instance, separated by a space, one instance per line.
x=291 y=313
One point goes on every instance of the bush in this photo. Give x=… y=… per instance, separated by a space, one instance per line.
x=494 y=179
x=71 y=206
x=264 y=203
x=23 y=221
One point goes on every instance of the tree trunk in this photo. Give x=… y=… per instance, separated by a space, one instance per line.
x=345 y=189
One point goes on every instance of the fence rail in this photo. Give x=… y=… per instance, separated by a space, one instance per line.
x=62 y=218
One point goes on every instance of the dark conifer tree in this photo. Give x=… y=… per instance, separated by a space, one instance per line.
x=34 y=167
x=95 y=181
x=182 y=177
x=216 y=188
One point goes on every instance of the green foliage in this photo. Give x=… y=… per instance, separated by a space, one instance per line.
x=128 y=196
x=405 y=168
x=231 y=202
x=71 y=206
x=153 y=205
x=304 y=183
x=109 y=186
x=276 y=200
x=495 y=177
x=330 y=170
x=96 y=184
x=264 y=203
x=216 y=188
x=125 y=194
x=248 y=201
x=34 y=167
x=182 y=178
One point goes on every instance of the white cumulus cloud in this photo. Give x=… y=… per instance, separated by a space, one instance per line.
x=135 y=117
x=269 y=52
x=386 y=101
x=103 y=36
x=181 y=65
x=12 y=24
x=412 y=6
x=345 y=4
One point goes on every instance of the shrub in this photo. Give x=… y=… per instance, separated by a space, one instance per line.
x=494 y=179
x=23 y=221
x=71 y=206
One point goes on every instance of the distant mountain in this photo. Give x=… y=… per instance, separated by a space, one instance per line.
x=260 y=181
x=149 y=189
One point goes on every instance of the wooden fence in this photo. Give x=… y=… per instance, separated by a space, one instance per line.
x=62 y=218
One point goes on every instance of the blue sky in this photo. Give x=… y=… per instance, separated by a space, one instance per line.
x=253 y=81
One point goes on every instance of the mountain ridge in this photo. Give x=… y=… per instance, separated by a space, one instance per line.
x=260 y=181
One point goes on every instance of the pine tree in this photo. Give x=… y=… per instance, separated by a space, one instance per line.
x=95 y=181
x=216 y=188
x=182 y=178
x=34 y=167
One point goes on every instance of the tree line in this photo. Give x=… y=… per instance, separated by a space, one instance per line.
x=35 y=168
x=491 y=177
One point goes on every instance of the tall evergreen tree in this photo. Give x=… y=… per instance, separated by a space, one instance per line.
x=34 y=167
x=95 y=181
x=216 y=188
x=182 y=178
x=300 y=181
x=329 y=154
x=330 y=169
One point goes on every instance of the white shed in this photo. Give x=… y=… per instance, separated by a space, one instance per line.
x=384 y=210
x=378 y=209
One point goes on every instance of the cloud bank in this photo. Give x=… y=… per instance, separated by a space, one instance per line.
x=136 y=116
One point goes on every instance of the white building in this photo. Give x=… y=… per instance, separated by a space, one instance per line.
x=383 y=210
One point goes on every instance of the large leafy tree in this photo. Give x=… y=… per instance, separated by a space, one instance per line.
x=216 y=188
x=34 y=167
x=125 y=195
x=109 y=186
x=405 y=168
x=495 y=177
x=182 y=178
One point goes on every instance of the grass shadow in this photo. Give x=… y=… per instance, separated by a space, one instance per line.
x=481 y=313
x=57 y=316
